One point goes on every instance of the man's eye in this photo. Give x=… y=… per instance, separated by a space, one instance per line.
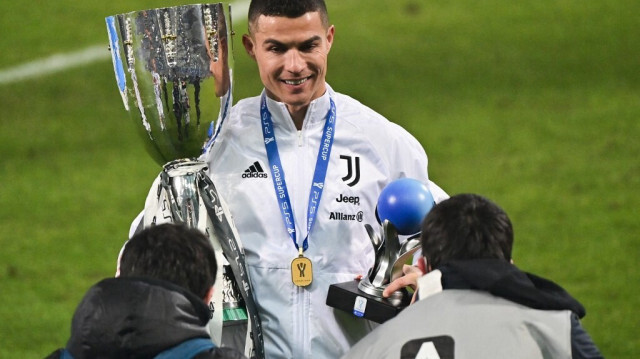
x=308 y=47
x=275 y=49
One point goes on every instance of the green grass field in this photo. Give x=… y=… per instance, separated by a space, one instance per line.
x=535 y=105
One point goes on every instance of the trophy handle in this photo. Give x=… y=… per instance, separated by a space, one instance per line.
x=225 y=232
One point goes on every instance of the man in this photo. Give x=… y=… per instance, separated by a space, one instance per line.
x=301 y=168
x=473 y=302
x=156 y=306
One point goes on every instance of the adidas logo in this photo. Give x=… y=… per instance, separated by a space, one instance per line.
x=254 y=171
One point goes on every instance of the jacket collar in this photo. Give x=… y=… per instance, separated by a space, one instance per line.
x=429 y=284
x=501 y=279
x=316 y=112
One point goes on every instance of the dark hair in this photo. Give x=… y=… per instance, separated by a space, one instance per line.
x=174 y=253
x=466 y=226
x=287 y=8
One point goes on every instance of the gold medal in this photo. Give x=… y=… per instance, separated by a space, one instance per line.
x=301 y=270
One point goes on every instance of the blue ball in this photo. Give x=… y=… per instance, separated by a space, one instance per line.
x=405 y=202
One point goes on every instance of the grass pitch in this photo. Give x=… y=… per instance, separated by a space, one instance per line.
x=534 y=105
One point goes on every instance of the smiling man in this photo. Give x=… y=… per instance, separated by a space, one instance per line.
x=292 y=57
x=301 y=167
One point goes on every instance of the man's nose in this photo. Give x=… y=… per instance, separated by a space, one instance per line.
x=295 y=62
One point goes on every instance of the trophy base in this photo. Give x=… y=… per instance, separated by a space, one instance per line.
x=347 y=297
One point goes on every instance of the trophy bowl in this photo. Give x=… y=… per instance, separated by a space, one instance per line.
x=173 y=68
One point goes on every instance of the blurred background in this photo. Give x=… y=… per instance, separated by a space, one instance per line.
x=535 y=105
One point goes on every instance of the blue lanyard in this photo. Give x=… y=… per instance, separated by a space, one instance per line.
x=277 y=172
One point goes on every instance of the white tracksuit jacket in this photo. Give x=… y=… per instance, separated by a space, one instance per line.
x=368 y=152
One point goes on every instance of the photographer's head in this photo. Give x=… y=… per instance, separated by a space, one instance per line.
x=466 y=226
x=174 y=253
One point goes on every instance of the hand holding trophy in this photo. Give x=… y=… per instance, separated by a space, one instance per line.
x=173 y=69
x=401 y=207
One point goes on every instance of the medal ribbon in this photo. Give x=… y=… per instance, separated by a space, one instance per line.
x=277 y=172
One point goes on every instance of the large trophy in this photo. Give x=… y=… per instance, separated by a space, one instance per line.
x=401 y=207
x=173 y=68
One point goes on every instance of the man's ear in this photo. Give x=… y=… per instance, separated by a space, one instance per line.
x=249 y=46
x=422 y=265
x=330 y=35
x=208 y=296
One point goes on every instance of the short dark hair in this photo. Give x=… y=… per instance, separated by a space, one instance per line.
x=174 y=253
x=466 y=226
x=287 y=8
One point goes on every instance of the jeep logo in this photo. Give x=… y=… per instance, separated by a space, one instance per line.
x=349 y=199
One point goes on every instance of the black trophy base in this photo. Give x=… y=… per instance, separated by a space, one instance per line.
x=343 y=296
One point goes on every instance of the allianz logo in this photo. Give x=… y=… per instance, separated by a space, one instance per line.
x=339 y=216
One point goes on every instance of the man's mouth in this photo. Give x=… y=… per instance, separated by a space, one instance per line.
x=296 y=82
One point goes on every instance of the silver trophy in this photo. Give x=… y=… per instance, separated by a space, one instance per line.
x=390 y=256
x=173 y=69
x=364 y=298
x=401 y=208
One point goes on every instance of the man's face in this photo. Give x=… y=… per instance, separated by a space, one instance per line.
x=292 y=56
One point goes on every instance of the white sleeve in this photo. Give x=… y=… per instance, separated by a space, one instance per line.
x=438 y=193
x=136 y=225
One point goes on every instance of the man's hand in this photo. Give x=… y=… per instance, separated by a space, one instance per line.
x=409 y=279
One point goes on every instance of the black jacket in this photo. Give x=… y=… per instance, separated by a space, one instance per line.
x=137 y=318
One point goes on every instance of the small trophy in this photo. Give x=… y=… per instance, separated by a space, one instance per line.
x=364 y=298
x=401 y=208
x=173 y=69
